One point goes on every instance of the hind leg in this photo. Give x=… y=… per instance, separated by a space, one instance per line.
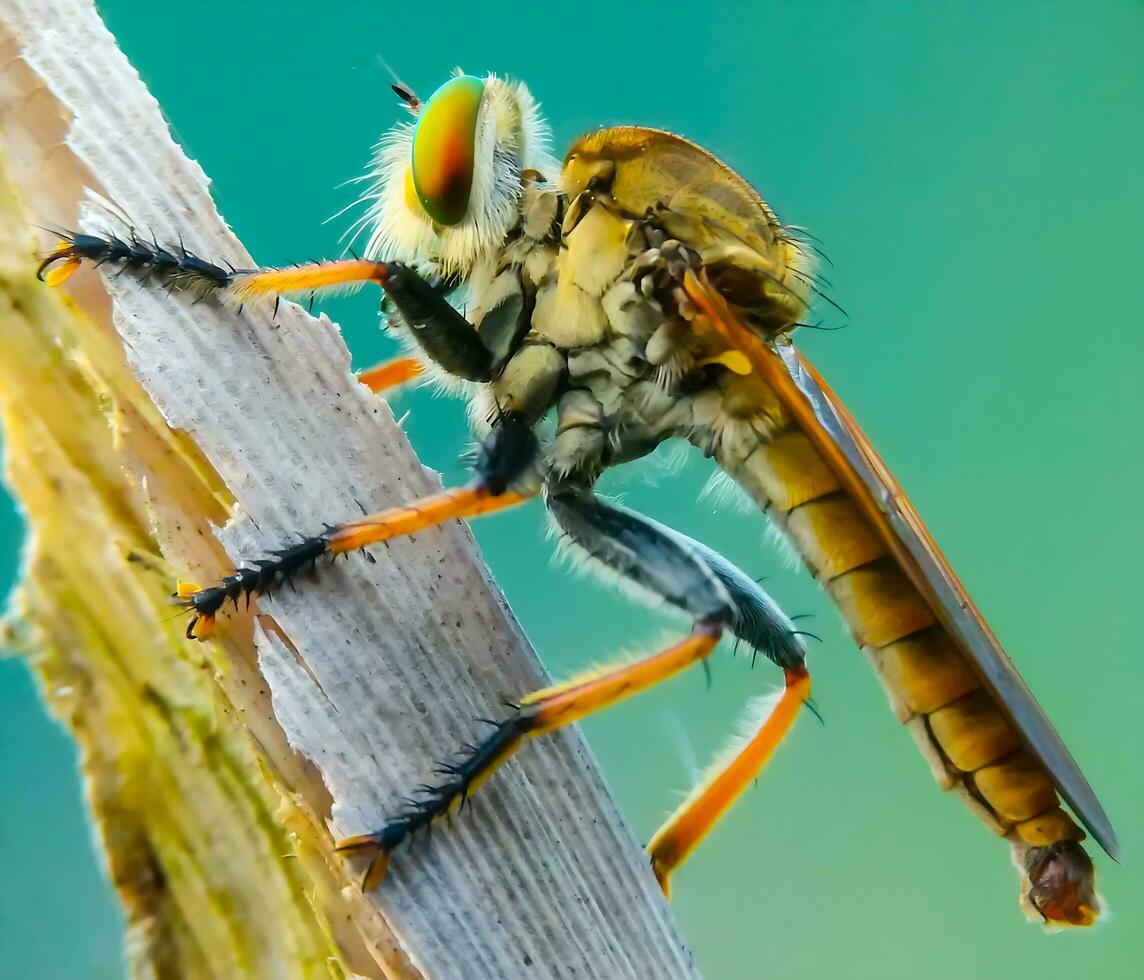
x=695 y=818
x=678 y=570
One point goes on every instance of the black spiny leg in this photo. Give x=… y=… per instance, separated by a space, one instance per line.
x=461 y=779
x=682 y=572
x=172 y=265
x=505 y=459
x=261 y=577
x=442 y=333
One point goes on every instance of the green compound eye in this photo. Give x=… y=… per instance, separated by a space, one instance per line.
x=444 y=149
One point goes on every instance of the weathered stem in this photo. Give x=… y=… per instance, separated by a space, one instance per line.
x=135 y=425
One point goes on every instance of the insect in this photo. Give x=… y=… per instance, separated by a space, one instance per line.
x=642 y=291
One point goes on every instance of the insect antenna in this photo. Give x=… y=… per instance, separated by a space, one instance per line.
x=371 y=196
x=401 y=90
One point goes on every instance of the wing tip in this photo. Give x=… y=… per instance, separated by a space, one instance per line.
x=1095 y=821
x=1107 y=839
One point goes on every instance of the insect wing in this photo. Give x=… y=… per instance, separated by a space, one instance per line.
x=836 y=435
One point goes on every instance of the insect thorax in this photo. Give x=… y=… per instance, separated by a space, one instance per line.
x=592 y=304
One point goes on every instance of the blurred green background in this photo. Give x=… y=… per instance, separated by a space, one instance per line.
x=975 y=171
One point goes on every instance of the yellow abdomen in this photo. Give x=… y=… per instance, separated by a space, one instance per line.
x=970 y=746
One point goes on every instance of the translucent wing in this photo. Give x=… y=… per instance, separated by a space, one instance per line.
x=836 y=435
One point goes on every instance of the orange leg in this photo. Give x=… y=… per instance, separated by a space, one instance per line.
x=684 y=829
x=471 y=501
x=507 y=456
x=695 y=580
x=316 y=276
x=443 y=333
x=264 y=576
x=541 y=712
x=181 y=268
x=390 y=374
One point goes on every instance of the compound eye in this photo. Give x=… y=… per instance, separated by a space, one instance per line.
x=444 y=149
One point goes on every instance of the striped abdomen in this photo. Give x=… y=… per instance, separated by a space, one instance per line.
x=970 y=745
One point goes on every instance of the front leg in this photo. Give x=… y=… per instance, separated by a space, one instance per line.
x=443 y=334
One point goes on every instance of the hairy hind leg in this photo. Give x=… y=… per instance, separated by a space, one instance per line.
x=680 y=571
x=698 y=814
x=539 y=713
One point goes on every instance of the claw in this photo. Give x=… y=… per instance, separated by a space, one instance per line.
x=378 y=865
x=201 y=624
x=356 y=842
x=184 y=590
x=663 y=876
x=201 y=627
x=53 y=274
x=375 y=872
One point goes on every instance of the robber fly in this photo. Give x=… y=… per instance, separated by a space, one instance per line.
x=641 y=292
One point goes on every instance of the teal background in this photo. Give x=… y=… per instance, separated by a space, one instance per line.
x=975 y=171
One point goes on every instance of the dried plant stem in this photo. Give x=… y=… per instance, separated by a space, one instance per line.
x=147 y=438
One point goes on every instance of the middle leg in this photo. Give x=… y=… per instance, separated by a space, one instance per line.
x=502 y=479
x=391 y=374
